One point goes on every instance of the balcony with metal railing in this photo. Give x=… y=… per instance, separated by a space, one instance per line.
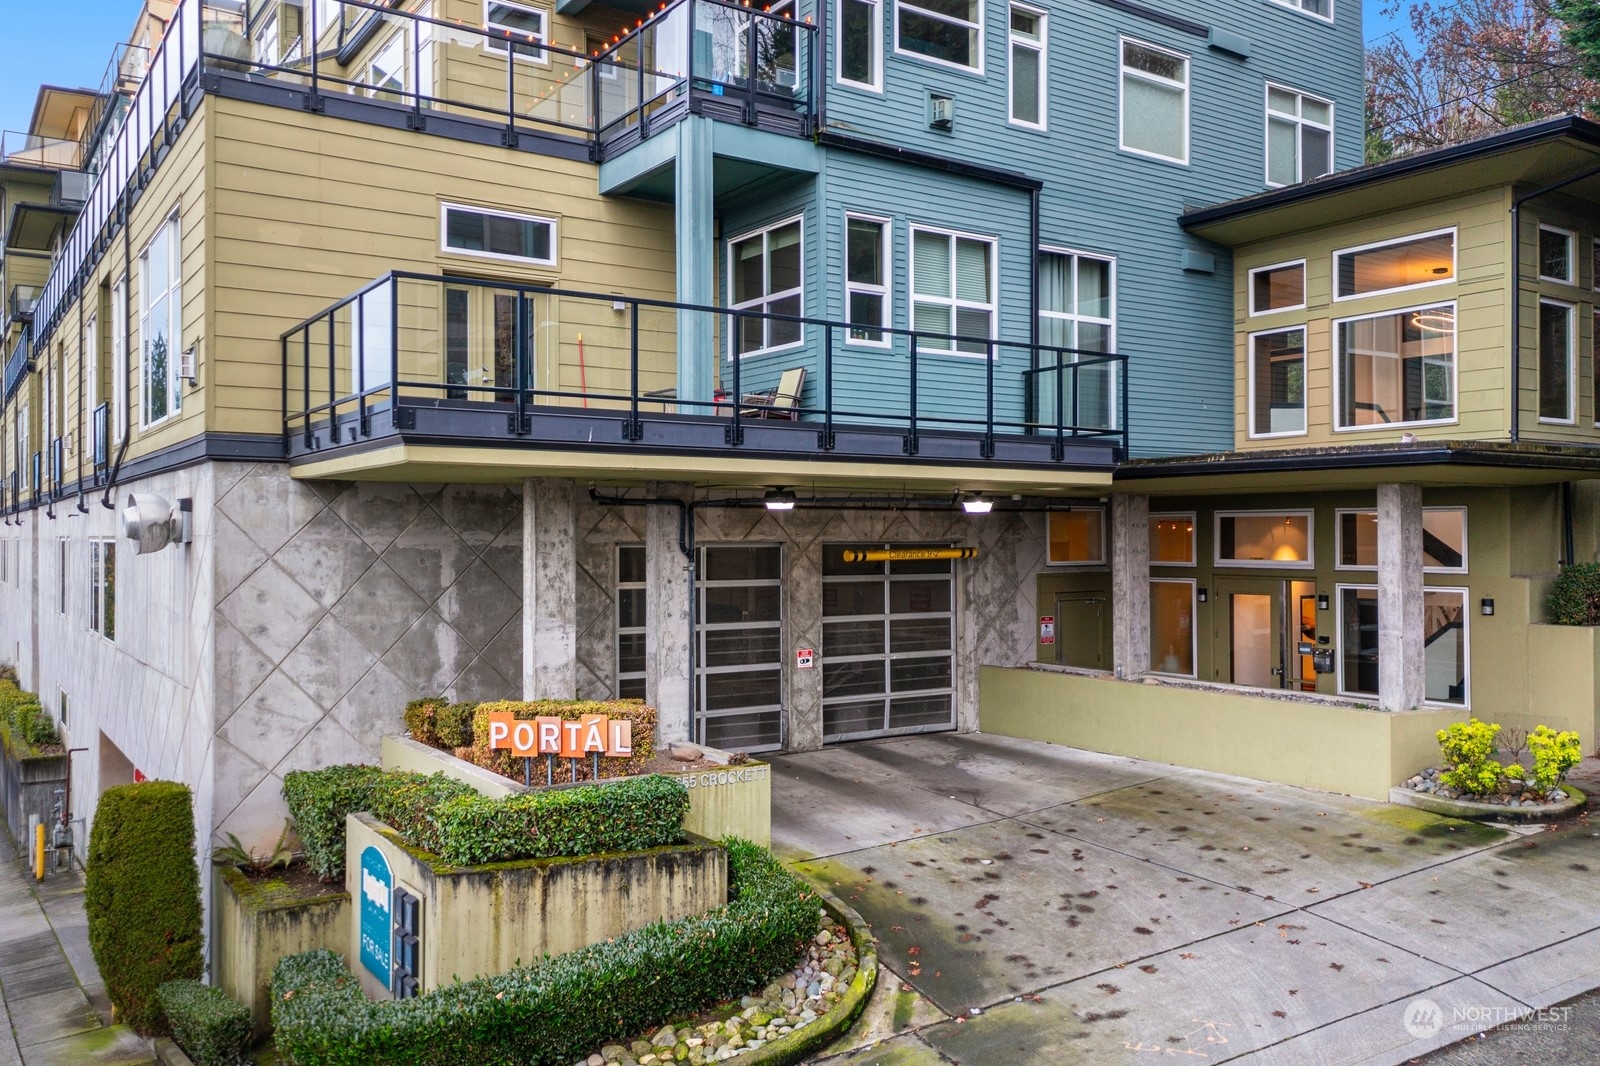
x=43 y=153
x=432 y=360
x=19 y=363
x=20 y=301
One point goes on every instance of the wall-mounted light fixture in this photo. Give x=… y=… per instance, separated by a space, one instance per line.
x=1200 y=594
x=976 y=503
x=1486 y=606
x=779 y=500
x=1322 y=601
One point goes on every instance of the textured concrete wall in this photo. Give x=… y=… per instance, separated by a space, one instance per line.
x=251 y=936
x=1402 y=666
x=1130 y=584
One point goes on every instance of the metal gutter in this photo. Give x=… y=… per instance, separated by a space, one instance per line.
x=944 y=164
x=1355 y=459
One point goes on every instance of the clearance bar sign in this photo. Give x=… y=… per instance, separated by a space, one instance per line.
x=593 y=734
x=906 y=555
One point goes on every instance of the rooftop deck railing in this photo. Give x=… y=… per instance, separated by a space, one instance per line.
x=483 y=360
x=29 y=150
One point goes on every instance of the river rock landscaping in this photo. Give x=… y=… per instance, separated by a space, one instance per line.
x=1429 y=782
x=793 y=1001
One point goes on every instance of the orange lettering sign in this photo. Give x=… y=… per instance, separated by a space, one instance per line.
x=548 y=735
x=571 y=740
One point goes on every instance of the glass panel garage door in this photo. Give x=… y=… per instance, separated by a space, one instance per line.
x=739 y=655
x=888 y=634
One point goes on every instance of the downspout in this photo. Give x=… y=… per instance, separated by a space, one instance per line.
x=1566 y=524
x=1032 y=411
x=127 y=342
x=83 y=508
x=822 y=67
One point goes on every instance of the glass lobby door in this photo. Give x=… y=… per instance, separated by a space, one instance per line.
x=1262 y=625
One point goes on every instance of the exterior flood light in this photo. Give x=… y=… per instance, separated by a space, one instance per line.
x=975 y=504
x=1486 y=606
x=779 y=500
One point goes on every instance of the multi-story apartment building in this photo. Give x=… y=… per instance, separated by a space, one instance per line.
x=505 y=348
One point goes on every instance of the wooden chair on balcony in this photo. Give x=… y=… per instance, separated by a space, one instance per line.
x=781 y=401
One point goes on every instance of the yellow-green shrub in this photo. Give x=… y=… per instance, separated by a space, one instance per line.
x=1553 y=755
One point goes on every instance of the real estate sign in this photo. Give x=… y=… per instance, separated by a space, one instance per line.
x=377 y=894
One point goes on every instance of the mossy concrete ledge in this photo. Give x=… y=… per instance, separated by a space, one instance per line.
x=257 y=924
x=804 y=1043
x=1460 y=808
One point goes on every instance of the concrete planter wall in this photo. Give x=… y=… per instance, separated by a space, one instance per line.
x=479 y=920
x=255 y=927
x=729 y=800
x=28 y=785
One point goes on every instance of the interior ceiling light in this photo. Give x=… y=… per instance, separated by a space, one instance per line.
x=974 y=503
x=779 y=500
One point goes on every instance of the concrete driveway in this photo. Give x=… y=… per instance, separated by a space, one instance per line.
x=1042 y=904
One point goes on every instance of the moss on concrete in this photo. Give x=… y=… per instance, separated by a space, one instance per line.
x=1436 y=827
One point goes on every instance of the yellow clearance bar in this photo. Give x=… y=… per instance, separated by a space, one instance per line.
x=902 y=555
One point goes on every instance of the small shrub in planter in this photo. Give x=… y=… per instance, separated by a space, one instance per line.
x=142 y=897
x=421 y=718
x=319 y=800
x=1575 y=595
x=1467 y=747
x=454 y=725
x=1553 y=755
x=211 y=1027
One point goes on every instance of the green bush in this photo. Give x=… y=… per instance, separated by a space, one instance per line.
x=421 y=717
x=409 y=802
x=23 y=719
x=1467 y=747
x=1574 y=598
x=142 y=897
x=319 y=801
x=1553 y=755
x=453 y=725
x=556 y=1011
x=211 y=1027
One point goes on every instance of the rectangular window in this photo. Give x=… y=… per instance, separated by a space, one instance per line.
x=387 y=71
x=119 y=360
x=103 y=588
x=160 y=331
x=1444 y=641
x=1172 y=539
x=1299 y=136
x=61 y=573
x=1395 y=369
x=523 y=25
x=1594 y=364
x=767 y=269
x=632 y=622
x=1077 y=315
x=1278 y=288
x=952 y=290
x=1278 y=383
x=1557 y=362
x=740 y=657
x=1029 y=73
x=265 y=49
x=1444 y=540
x=1172 y=635
x=1556 y=261
x=860 y=44
x=1264 y=538
x=1076 y=537
x=866 y=279
x=490 y=234
x=945 y=31
x=1427 y=259
x=1155 y=102
x=1322 y=9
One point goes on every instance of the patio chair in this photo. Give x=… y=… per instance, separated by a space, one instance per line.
x=782 y=401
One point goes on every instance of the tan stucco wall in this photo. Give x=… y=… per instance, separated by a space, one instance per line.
x=251 y=937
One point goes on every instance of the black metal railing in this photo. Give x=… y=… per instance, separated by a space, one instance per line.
x=18 y=365
x=37 y=470
x=20 y=303
x=409 y=343
x=100 y=427
x=58 y=466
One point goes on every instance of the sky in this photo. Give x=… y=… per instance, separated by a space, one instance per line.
x=38 y=46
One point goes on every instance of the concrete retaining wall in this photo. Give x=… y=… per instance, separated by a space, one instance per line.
x=1357 y=750
x=28 y=785
x=487 y=919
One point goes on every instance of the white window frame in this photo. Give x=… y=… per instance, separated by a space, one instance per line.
x=1371 y=697
x=1455 y=370
x=445 y=207
x=1572 y=254
x=760 y=303
x=332 y=15
x=1338 y=540
x=876 y=84
x=977 y=48
x=1572 y=360
x=953 y=302
x=1455 y=265
x=400 y=74
x=1194 y=628
x=1105 y=517
x=91 y=363
x=119 y=360
x=622 y=630
x=501 y=46
x=1041 y=45
x=1299 y=6
x=1125 y=72
x=1076 y=317
x=1250 y=288
x=171 y=229
x=1194 y=535
x=1309 y=563
x=99 y=550
x=266 y=49
x=886 y=290
x=1299 y=120
x=1250 y=383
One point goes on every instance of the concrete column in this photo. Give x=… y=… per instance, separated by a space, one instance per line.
x=696 y=260
x=1401 y=657
x=1130 y=585
x=549 y=589
x=667 y=593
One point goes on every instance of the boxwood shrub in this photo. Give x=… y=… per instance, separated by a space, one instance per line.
x=24 y=722
x=421 y=717
x=319 y=801
x=141 y=895
x=1575 y=595
x=555 y=1012
x=501 y=761
x=211 y=1027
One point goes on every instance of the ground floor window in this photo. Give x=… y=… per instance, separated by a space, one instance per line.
x=1444 y=638
x=739 y=647
x=103 y=588
x=631 y=622
x=888 y=643
x=1172 y=626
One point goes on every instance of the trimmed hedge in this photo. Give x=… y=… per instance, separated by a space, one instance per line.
x=319 y=800
x=557 y=1011
x=211 y=1027
x=24 y=720
x=1575 y=595
x=142 y=896
x=502 y=762
x=411 y=803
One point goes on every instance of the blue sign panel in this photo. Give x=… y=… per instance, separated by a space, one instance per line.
x=377 y=930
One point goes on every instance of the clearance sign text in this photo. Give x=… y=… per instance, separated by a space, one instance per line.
x=593 y=734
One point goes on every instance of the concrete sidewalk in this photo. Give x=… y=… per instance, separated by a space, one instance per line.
x=1041 y=904
x=52 y=1000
